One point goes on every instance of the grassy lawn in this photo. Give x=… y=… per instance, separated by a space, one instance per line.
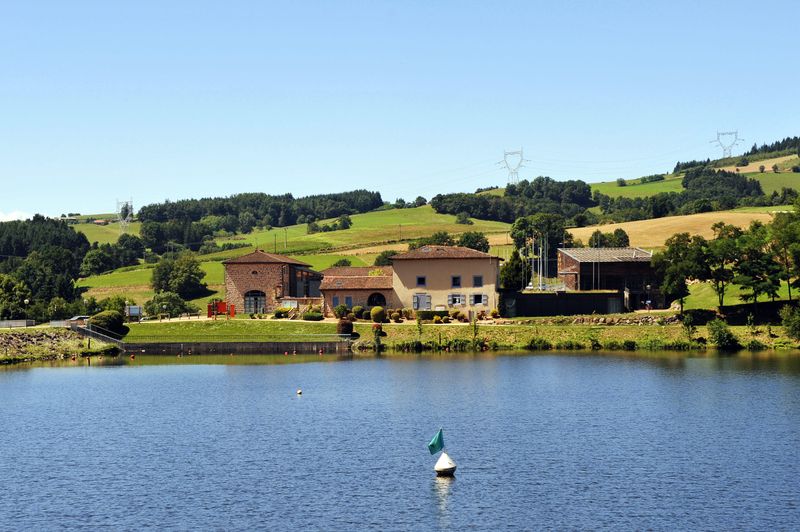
x=506 y=336
x=771 y=181
x=702 y=296
x=105 y=234
x=634 y=189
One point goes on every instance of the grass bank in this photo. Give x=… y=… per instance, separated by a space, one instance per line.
x=514 y=335
x=26 y=345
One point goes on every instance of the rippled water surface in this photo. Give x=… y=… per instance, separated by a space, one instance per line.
x=541 y=442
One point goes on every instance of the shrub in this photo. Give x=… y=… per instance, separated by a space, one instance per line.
x=110 y=320
x=431 y=314
x=344 y=327
x=438 y=319
x=358 y=310
x=756 y=345
x=790 y=319
x=569 y=345
x=495 y=313
x=796 y=169
x=621 y=182
x=313 y=316
x=282 y=312
x=377 y=314
x=366 y=315
x=721 y=336
x=612 y=345
x=445 y=319
x=340 y=311
x=455 y=314
x=169 y=303
x=629 y=345
x=351 y=316
x=539 y=344
x=396 y=317
x=463 y=218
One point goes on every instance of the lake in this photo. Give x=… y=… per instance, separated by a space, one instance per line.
x=541 y=441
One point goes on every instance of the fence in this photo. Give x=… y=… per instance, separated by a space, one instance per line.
x=9 y=324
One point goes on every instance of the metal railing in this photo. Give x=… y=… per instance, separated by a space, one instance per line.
x=250 y=338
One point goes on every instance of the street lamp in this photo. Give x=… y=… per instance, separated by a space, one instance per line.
x=648 y=302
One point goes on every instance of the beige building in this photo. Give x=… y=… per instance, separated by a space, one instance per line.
x=369 y=286
x=446 y=277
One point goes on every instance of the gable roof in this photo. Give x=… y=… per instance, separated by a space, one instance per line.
x=357 y=278
x=262 y=257
x=443 y=252
x=607 y=254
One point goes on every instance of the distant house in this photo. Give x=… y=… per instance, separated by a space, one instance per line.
x=445 y=277
x=260 y=282
x=627 y=270
x=369 y=286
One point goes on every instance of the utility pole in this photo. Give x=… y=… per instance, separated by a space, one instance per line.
x=727 y=140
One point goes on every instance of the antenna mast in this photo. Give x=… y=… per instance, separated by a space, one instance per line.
x=727 y=140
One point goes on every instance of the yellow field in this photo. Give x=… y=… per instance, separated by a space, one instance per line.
x=782 y=162
x=653 y=233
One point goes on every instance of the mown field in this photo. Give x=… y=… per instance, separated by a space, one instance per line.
x=105 y=234
x=653 y=233
x=634 y=189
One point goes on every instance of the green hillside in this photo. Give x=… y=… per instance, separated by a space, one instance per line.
x=634 y=189
x=370 y=233
x=105 y=234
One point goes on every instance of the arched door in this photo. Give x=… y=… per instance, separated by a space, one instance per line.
x=376 y=300
x=255 y=302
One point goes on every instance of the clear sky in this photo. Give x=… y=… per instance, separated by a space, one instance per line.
x=144 y=100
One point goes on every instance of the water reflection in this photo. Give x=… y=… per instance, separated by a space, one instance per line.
x=441 y=487
x=784 y=362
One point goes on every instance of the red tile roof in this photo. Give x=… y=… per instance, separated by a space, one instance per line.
x=357 y=278
x=444 y=252
x=262 y=257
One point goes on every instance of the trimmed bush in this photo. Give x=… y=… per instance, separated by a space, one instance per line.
x=445 y=319
x=365 y=315
x=438 y=319
x=396 y=317
x=344 y=327
x=340 y=311
x=282 y=312
x=377 y=314
x=110 y=320
x=358 y=310
x=431 y=314
x=313 y=316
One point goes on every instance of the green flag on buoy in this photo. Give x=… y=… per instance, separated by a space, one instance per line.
x=437 y=443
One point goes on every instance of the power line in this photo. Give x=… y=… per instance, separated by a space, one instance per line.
x=513 y=161
x=727 y=140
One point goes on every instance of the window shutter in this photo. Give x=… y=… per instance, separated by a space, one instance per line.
x=463 y=300
x=415 y=302
x=449 y=300
x=485 y=299
x=427 y=302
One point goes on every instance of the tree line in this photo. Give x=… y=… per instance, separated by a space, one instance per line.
x=188 y=223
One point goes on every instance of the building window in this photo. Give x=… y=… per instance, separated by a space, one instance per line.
x=421 y=280
x=348 y=301
x=421 y=302
x=254 y=272
x=455 y=281
x=455 y=300
x=480 y=299
x=335 y=301
x=477 y=281
x=255 y=302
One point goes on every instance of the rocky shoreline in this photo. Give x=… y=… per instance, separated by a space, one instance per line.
x=28 y=345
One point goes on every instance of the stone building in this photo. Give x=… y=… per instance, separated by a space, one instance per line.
x=260 y=282
x=369 y=286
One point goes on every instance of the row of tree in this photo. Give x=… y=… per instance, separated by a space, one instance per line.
x=757 y=259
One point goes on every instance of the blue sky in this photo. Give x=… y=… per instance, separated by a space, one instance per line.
x=102 y=101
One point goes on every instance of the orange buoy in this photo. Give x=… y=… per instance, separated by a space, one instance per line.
x=133 y=357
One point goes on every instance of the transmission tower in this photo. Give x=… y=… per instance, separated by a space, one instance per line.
x=513 y=161
x=727 y=140
x=124 y=215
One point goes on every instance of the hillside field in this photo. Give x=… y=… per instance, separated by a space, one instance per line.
x=653 y=233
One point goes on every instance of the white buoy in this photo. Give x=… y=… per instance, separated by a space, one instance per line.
x=299 y=391
x=445 y=467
